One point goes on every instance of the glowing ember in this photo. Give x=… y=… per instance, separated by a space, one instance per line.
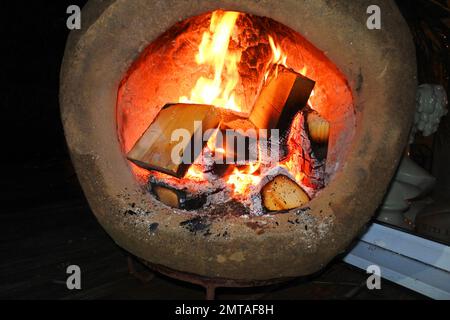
x=292 y=166
x=214 y=53
x=242 y=180
x=195 y=172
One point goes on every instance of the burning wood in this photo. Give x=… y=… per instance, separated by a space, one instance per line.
x=283 y=193
x=318 y=127
x=284 y=94
x=319 y=133
x=155 y=149
x=302 y=160
x=236 y=161
x=177 y=198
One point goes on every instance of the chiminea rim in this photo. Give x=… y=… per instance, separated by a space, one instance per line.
x=289 y=245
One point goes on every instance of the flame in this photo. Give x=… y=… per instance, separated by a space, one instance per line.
x=219 y=90
x=279 y=57
x=195 y=173
x=241 y=180
x=304 y=71
x=291 y=167
x=214 y=53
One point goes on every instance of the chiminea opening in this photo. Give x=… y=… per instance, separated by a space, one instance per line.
x=266 y=117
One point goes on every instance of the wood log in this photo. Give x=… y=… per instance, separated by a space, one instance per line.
x=319 y=134
x=283 y=95
x=177 y=198
x=281 y=98
x=153 y=151
x=303 y=154
x=282 y=194
x=318 y=127
x=240 y=146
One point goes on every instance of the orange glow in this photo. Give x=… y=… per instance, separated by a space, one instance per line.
x=195 y=173
x=213 y=52
x=291 y=166
x=279 y=57
x=242 y=180
x=303 y=71
x=224 y=58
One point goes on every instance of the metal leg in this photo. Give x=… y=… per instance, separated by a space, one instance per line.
x=210 y=292
x=143 y=276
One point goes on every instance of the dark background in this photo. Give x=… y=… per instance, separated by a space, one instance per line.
x=35 y=165
x=45 y=221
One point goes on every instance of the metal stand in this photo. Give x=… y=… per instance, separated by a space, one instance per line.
x=209 y=284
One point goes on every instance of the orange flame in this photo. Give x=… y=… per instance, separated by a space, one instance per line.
x=278 y=56
x=242 y=180
x=218 y=90
x=195 y=173
x=292 y=167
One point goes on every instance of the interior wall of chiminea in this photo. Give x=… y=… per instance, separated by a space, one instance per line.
x=167 y=70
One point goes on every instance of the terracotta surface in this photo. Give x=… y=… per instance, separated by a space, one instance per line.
x=380 y=67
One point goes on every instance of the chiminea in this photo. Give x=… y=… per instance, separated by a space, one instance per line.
x=334 y=100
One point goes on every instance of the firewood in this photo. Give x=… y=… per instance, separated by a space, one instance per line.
x=318 y=132
x=283 y=193
x=240 y=146
x=283 y=95
x=177 y=198
x=153 y=151
x=318 y=127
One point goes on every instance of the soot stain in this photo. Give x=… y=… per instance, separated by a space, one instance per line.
x=153 y=228
x=359 y=81
x=303 y=211
x=257 y=227
x=130 y=213
x=197 y=225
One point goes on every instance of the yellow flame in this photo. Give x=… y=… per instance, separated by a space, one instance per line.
x=241 y=180
x=195 y=173
x=290 y=166
x=303 y=71
x=213 y=52
x=278 y=56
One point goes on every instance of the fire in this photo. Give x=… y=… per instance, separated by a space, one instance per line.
x=279 y=58
x=241 y=180
x=304 y=72
x=291 y=166
x=219 y=89
x=195 y=173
